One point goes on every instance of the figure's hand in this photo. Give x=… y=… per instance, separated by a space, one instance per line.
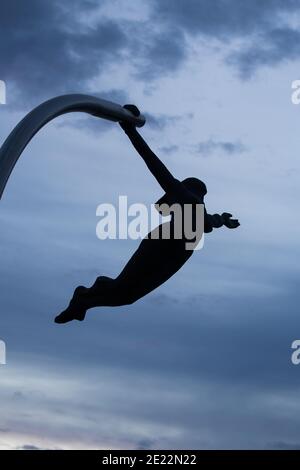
x=229 y=222
x=133 y=109
x=126 y=126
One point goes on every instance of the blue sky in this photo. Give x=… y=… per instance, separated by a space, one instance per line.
x=204 y=361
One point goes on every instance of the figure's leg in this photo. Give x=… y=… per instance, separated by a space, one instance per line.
x=82 y=300
x=106 y=292
x=151 y=265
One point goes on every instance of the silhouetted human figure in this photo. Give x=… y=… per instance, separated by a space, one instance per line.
x=156 y=259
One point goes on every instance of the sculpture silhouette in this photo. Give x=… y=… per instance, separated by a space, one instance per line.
x=156 y=259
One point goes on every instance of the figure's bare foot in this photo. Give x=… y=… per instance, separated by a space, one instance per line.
x=70 y=314
x=76 y=309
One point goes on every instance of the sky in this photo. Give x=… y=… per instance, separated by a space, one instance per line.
x=204 y=361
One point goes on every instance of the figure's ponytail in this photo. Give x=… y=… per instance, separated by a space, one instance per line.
x=212 y=221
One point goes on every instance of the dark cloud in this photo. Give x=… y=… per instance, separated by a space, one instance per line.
x=267 y=49
x=160 y=121
x=161 y=54
x=211 y=146
x=284 y=446
x=46 y=50
x=29 y=447
x=33 y=447
x=259 y=24
x=221 y=19
x=146 y=444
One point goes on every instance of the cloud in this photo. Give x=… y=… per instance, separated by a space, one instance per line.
x=55 y=49
x=225 y=19
x=263 y=29
x=211 y=146
x=168 y=149
x=281 y=445
x=146 y=444
x=267 y=49
x=45 y=49
x=58 y=49
x=161 y=54
x=160 y=121
x=29 y=447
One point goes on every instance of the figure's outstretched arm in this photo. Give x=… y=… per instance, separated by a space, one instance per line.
x=157 y=168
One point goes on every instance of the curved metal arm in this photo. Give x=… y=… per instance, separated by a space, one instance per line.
x=45 y=112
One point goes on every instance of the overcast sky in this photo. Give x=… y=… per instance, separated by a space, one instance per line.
x=205 y=360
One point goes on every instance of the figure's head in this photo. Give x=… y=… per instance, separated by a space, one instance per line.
x=195 y=186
